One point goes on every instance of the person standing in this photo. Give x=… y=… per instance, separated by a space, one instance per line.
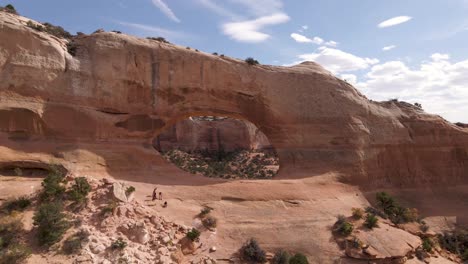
x=160 y=195
x=155 y=194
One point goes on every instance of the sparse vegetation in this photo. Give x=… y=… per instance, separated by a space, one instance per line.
x=342 y=226
x=9 y=9
x=205 y=211
x=51 y=223
x=79 y=190
x=427 y=244
x=252 y=252
x=109 y=209
x=424 y=227
x=119 y=244
x=299 y=258
x=130 y=190
x=16 y=253
x=215 y=53
x=18 y=204
x=280 y=257
x=358 y=213
x=159 y=39
x=46 y=27
x=251 y=61
x=455 y=242
x=53 y=185
x=371 y=221
x=74 y=243
x=193 y=234
x=210 y=222
x=72 y=48
x=418 y=105
x=396 y=213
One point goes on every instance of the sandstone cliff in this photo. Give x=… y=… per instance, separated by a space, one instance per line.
x=118 y=92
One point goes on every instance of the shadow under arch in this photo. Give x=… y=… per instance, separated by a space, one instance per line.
x=219 y=147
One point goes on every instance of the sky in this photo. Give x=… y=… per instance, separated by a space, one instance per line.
x=411 y=50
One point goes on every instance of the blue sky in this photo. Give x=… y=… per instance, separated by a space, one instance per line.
x=425 y=58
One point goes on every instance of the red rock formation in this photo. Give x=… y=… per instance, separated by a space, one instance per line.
x=119 y=92
x=197 y=135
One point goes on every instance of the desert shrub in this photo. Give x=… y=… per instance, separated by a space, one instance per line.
x=455 y=242
x=298 y=259
x=427 y=244
x=210 y=221
x=74 y=243
x=53 y=186
x=193 y=234
x=252 y=252
x=358 y=213
x=251 y=61
x=18 y=204
x=109 y=209
x=464 y=256
x=17 y=253
x=119 y=244
x=215 y=53
x=117 y=32
x=424 y=227
x=10 y=227
x=394 y=211
x=9 y=9
x=371 y=221
x=375 y=211
x=72 y=48
x=79 y=190
x=56 y=31
x=129 y=190
x=346 y=229
x=280 y=257
x=418 y=105
x=205 y=211
x=51 y=223
x=160 y=39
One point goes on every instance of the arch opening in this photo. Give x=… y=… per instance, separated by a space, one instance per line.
x=218 y=147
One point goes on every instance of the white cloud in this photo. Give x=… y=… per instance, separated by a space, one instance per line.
x=331 y=43
x=147 y=29
x=439 y=85
x=394 y=21
x=351 y=78
x=249 y=31
x=166 y=10
x=303 y=39
x=337 y=61
x=305 y=27
x=387 y=48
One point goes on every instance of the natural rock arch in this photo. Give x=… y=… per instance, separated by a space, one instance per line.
x=122 y=90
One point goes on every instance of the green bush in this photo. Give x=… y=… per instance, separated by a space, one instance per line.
x=10 y=227
x=210 y=222
x=9 y=9
x=74 y=243
x=51 y=223
x=109 y=209
x=252 y=252
x=119 y=244
x=298 y=259
x=193 y=234
x=129 y=190
x=56 y=31
x=72 y=48
x=394 y=211
x=17 y=253
x=427 y=244
x=251 y=61
x=358 y=213
x=455 y=242
x=280 y=257
x=53 y=186
x=205 y=211
x=159 y=39
x=18 y=204
x=345 y=229
x=371 y=221
x=79 y=190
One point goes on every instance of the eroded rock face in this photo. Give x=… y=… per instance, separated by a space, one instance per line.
x=228 y=134
x=119 y=92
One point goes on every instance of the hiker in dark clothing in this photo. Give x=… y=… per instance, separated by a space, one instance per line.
x=155 y=194
x=160 y=195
